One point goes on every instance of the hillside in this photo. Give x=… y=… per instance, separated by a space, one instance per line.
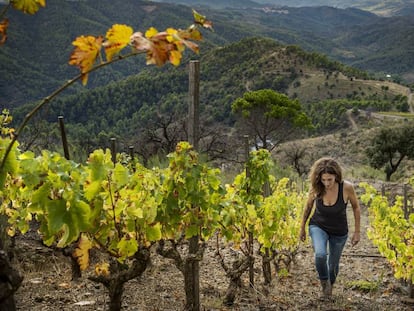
x=382 y=8
x=138 y=109
x=348 y=145
x=379 y=7
x=256 y=62
x=354 y=37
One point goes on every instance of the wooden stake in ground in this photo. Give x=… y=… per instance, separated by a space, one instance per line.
x=192 y=273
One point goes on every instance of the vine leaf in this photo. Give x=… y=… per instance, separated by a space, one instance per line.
x=117 y=38
x=81 y=253
x=11 y=164
x=202 y=20
x=127 y=247
x=87 y=49
x=154 y=233
x=102 y=269
x=121 y=175
x=160 y=47
x=182 y=38
x=156 y=45
x=28 y=6
x=4 y=24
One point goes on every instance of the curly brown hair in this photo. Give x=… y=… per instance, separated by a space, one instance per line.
x=323 y=166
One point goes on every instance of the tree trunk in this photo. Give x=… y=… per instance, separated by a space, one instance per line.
x=388 y=176
x=187 y=266
x=10 y=281
x=266 y=267
x=234 y=285
x=239 y=266
x=192 y=299
x=76 y=270
x=115 y=289
x=251 y=259
x=192 y=276
x=5 y=241
x=118 y=277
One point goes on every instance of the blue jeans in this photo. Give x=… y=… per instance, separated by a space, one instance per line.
x=327 y=259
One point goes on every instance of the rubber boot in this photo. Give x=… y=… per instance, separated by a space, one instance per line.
x=326 y=289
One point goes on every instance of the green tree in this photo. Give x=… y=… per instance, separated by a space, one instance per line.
x=270 y=117
x=390 y=146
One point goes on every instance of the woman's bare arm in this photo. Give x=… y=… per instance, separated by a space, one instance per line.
x=306 y=213
x=353 y=199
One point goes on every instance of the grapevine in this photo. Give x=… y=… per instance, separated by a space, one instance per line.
x=272 y=221
x=391 y=232
x=192 y=196
x=280 y=223
x=121 y=210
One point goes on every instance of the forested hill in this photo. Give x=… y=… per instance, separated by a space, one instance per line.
x=34 y=60
x=379 y=7
x=157 y=95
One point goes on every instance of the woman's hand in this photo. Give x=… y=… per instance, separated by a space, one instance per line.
x=355 y=238
x=302 y=234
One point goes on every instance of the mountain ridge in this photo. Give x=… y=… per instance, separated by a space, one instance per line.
x=33 y=71
x=385 y=8
x=309 y=77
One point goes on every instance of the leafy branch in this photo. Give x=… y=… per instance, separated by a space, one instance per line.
x=26 y=6
x=160 y=48
x=47 y=99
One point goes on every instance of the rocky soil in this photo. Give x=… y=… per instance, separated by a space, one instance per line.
x=365 y=283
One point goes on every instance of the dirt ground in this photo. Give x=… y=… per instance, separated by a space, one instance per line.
x=47 y=284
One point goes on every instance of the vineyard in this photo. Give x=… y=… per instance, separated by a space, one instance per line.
x=112 y=234
x=129 y=231
x=365 y=282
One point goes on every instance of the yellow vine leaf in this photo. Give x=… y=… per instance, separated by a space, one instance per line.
x=156 y=45
x=85 y=54
x=183 y=37
x=202 y=20
x=151 y=32
x=175 y=58
x=4 y=24
x=81 y=253
x=28 y=6
x=117 y=38
x=160 y=47
x=102 y=269
x=11 y=231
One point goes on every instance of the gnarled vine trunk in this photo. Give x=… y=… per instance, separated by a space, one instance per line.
x=10 y=281
x=266 y=267
x=186 y=267
x=116 y=280
x=235 y=273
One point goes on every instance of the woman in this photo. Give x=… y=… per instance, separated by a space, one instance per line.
x=328 y=227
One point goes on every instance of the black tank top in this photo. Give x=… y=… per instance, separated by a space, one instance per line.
x=331 y=218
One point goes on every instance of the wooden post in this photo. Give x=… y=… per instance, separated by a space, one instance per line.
x=266 y=257
x=131 y=151
x=194 y=104
x=193 y=287
x=64 y=140
x=251 y=240
x=113 y=149
x=405 y=202
x=131 y=154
